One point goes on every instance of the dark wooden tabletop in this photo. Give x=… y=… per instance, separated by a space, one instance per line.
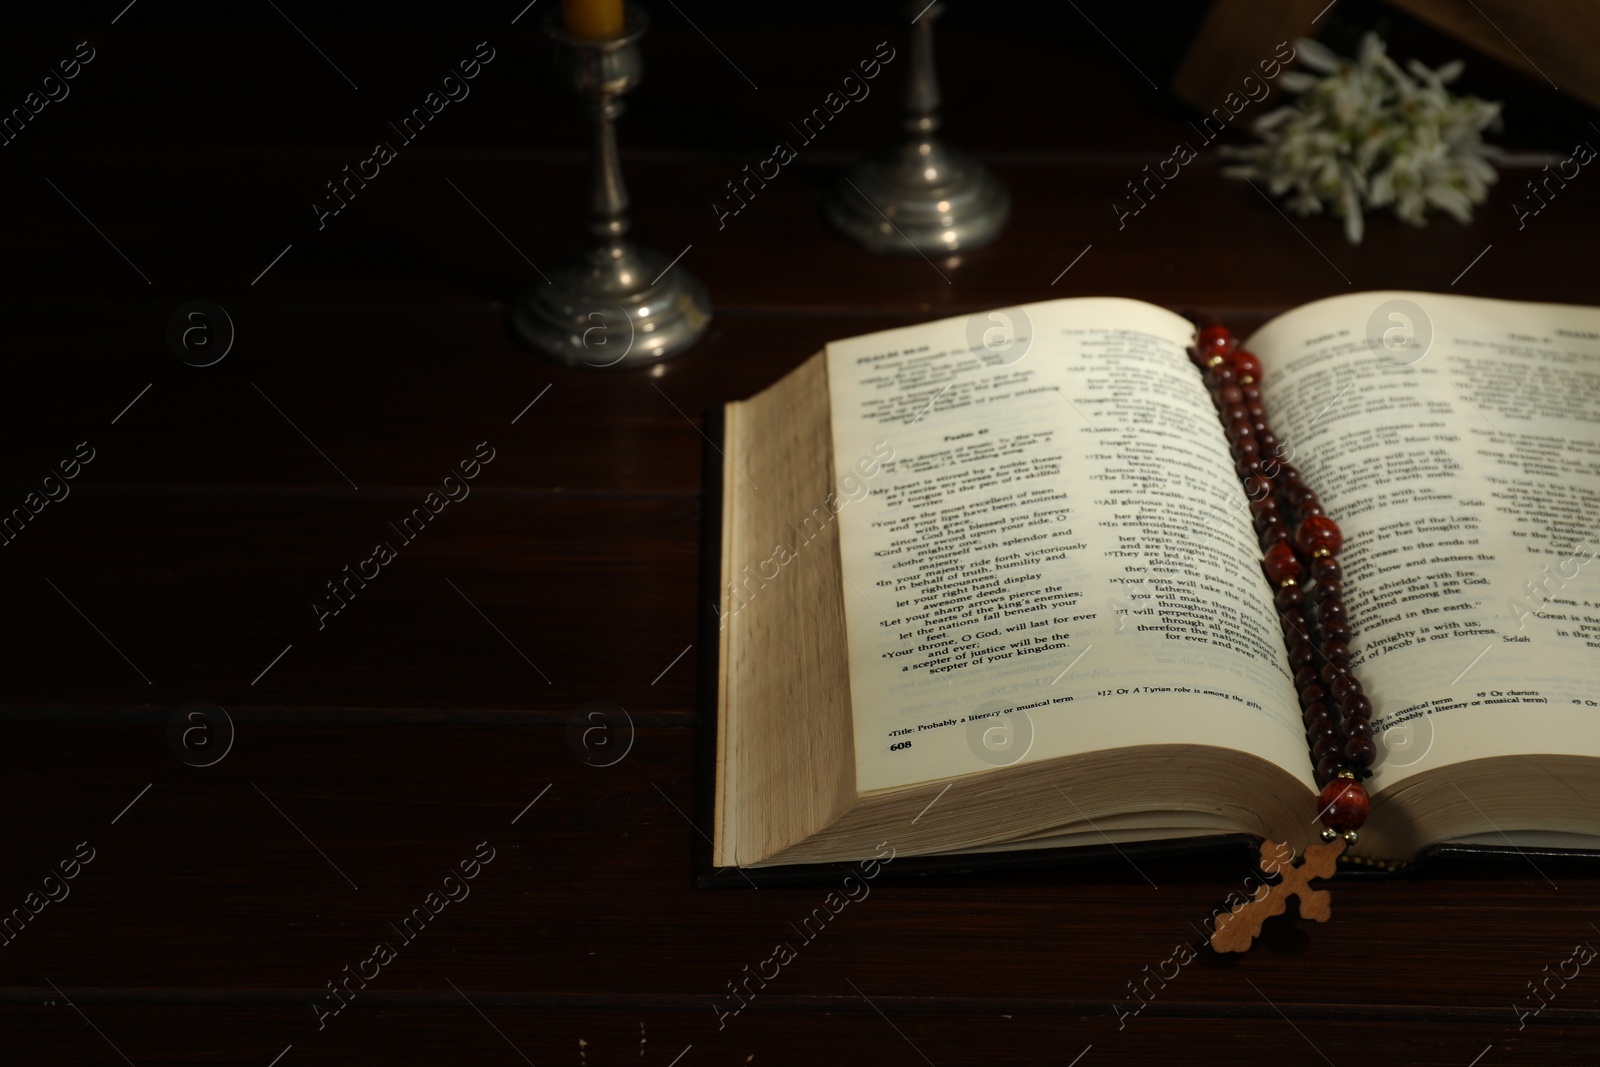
x=375 y=752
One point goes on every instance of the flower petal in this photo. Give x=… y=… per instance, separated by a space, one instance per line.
x=1316 y=55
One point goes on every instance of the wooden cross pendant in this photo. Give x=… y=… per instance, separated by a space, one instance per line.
x=1235 y=931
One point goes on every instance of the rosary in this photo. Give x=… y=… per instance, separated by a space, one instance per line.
x=1300 y=547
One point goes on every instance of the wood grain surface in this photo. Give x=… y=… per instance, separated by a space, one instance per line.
x=374 y=752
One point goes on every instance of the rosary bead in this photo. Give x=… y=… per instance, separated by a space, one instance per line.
x=1327 y=588
x=1330 y=609
x=1328 y=768
x=1281 y=562
x=1356 y=704
x=1318 y=531
x=1305 y=676
x=1326 y=569
x=1244 y=448
x=1301 y=496
x=1325 y=746
x=1311 y=694
x=1256 y=409
x=1344 y=684
x=1214 y=339
x=1221 y=375
x=1252 y=393
x=1267 y=440
x=1246 y=365
x=1337 y=629
x=1343 y=803
x=1323 y=731
x=1336 y=651
x=1228 y=396
x=1315 y=714
x=1288 y=597
x=1306 y=509
x=1276 y=534
x=1244 y=468
x=1300 y=655
x=1360 y=751
x=1294 y=624
x=1356 y=726
x=1331 y=670
x=1257 y=487
x=1288 y=476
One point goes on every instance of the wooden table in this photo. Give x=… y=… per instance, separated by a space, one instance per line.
x=373 y=753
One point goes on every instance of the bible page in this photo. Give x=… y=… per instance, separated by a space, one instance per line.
x=1456 y=442
x=1045 y=547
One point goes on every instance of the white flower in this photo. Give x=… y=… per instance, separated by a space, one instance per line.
x=1367 y=134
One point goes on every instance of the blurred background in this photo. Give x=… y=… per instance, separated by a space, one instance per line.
x=260 y=96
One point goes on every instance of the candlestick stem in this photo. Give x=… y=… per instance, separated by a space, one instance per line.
x=922 y=98
x=608 y=196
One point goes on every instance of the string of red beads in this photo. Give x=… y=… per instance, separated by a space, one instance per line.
x=1300 y=547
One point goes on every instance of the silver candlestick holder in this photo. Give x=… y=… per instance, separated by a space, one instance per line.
x=921 y=195
x=613 y=303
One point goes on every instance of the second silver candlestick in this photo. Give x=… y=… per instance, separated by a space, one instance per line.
x=921 y=195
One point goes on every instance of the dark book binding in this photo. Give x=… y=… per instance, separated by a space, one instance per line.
x=1441 y=859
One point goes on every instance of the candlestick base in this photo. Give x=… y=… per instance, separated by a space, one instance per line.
x=612 y=305
x=922 y=196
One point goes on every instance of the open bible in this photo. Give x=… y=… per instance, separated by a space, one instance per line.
x=990 y=584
